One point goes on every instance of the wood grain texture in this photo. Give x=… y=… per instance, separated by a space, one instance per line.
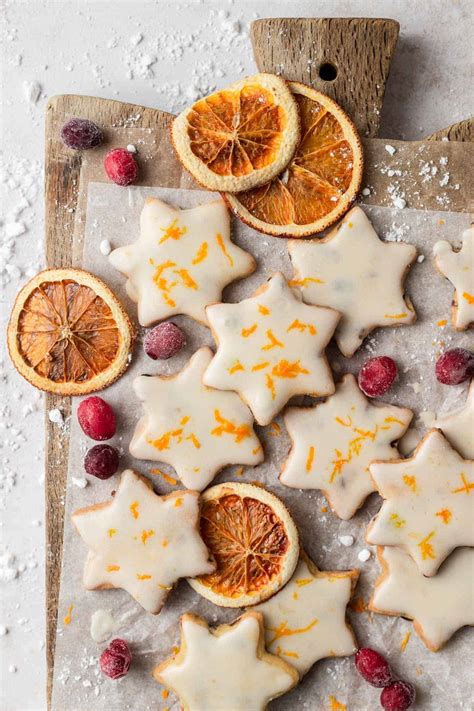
x=462 y=131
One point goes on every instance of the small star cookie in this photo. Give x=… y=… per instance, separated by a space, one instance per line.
x=458 y=426
x=271 y=347
x=306 y=620
x=439 y=606
x=225 y=668
x=429 y=503
x=334 y=443
x=196 y=429
x=142 y=542
x=353 y=271
x=458 y=267
x=182 y=260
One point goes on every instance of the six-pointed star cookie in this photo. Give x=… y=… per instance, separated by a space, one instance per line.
x=196 y=429
x=225 y=668
x=334 y=443
x=271 y=347
x=306 y=620
x=181 y=261
x=438 y=606
x=353 y=271
x=429 y=503
x=458 y=267
x=458 y=426
x=142 y=542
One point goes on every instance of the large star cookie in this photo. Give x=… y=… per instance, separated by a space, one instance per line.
x=181 y=261
x=438 y=606
x=458 y=426
x=142 y=542
x=429 y=503
x=458 y=267
x=353 y=271
x=225 y=668
x=334 y=443
x=306 y=620
x=196 y=429
x=271 y=347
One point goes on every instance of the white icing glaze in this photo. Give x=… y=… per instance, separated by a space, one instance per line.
x=353 y=271
x=458 y=267
x=181 y=261
x=334 y=443
x=196 y=429
x=103 y=625
x=458 y=426
x=142 y=542
x=271 y=347
x=429 y=506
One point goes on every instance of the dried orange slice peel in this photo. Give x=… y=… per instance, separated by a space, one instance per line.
x=254 y=541
x=68 y=334
x=320 y=183
x=241 y=136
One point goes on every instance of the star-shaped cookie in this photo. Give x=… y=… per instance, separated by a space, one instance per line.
x=353 y=271
x=458 y=426
x=306 y=620
x=182 y=260
x=429 y=503
x=271 y=347
x=196 y=429
x=458 y=267
x=439 y=606
x=142 y=542
x=334 y=443
x=226 y=668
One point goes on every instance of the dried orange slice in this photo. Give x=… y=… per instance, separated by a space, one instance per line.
x=239 y=137
x=68 y=333
x=322 y=180
x=254 y=541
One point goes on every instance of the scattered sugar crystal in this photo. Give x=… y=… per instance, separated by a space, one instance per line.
x=390 y=149
x=3 y=630
x=56 y=416
x=443 y=160
x=136 y=39
x=399 y=202
x=80 y=482
x=444 y=180
x=31 y=91
x=12 y=668
x=105 y=247
x=364 y=555
x=420 y=259
x=346 y=540
x=366 y=192
x=14 y=229
x=131 y=148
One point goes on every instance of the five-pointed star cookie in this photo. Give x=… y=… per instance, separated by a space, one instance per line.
x=226 y=668
x=334 y=443
x=439 y=606
x=271 y=347
x=458 y=426
x=458 y=267
x=306 y=620
x=429 y=503
x=142 y=542
x=181 y=261
x=353 y=271
x=196 y=429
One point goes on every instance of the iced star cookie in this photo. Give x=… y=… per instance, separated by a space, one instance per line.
x=429 y=503
x=334 y=443
x=142 y=542
x=196 y=429
x=353 y=271
x=438 y=606
x=458 y=267
x=182 y=260
x=271 y=347
x=306 y=620
x=458 y=426
x=226 y=667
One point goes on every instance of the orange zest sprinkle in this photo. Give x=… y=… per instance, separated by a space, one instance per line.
x=358 y=605
x=260 y=366
x=178 y=503
x=163 y=442
x=246 y=332
x=411 y=482
x=143 y=577
x=283 y=631
x=134 y=509
x=340 y=421
x=186 y=278
x=394 y=419
x=405 y=641
x=240 y=432
x=324 y=509
x=112 y=532
x=402 y=315
x=170 y=479
x=165 y=541
x=239 y=471
x=285 y=369
x=295 y=595
x=236 y=367
x=172 y=231
x=270 y=383
x=301 y=582
x=256 y=450
x=445 y=515
x=426 y=547
x=67 y=618
x=469 y=297
x=310 y=459
x=222 y=246
x=192 y=437
x=201 y=254
x=162 y=283
x=263 y=310
x=441 y=221
x=175 y=650
x=297 y=325
x=274 y=342
x=468 y=485
x=165 y=693
x=146 y=535
x=336 y=705
x=442 y=323
x=184 y=421
x=113 y=568
x=304 y=282
x=290 y=654
x=397 y=521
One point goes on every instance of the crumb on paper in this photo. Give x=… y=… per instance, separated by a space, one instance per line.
x=364 y=555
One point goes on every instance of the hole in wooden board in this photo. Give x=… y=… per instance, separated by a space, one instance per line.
x=327 y=71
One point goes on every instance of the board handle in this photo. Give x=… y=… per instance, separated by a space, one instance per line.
x=461 y=131
x=345 y=58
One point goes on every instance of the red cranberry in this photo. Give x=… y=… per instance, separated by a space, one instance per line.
x=116 y=659
x=377 y=375
x=398 y=696
x=164 y=341
x=455 y=366
x=373 y=667
x=96 y=418
x=121 y=166
x=80 y=134
x=101 y=461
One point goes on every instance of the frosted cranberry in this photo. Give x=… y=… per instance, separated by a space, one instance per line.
x=96 y=418
x=101 y=461
x=116 y=659
x=121 y=166
x=455 y=366
x=164 y=341
x=377 y=375
x=80 y=134
x=398 y=696
x=373 y=667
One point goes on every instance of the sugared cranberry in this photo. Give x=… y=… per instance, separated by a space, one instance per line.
x=377 y=375
x=101 y=461
x=164 y=341
x=373 y=667
x=96 y=418
x=398 y=696
x=80 y=134
x=455 y=366
x=121 y=166
x=116 y=659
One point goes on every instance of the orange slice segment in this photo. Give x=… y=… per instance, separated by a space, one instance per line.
x=320 y=183
x=68 y=333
